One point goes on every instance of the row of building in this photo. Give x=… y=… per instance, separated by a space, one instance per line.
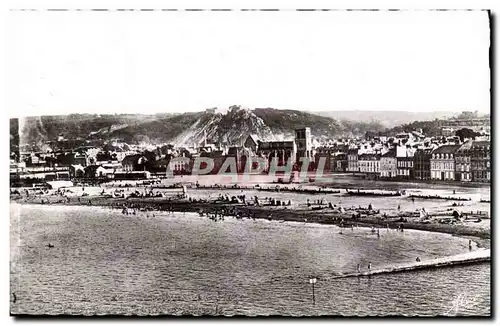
x=406 y=156
x=470 y=161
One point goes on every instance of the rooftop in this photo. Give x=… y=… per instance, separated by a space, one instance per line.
x=447 y=149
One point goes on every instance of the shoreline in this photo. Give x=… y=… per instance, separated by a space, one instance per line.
x=305 y=214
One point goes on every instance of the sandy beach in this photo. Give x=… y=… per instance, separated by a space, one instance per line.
x=302 y=208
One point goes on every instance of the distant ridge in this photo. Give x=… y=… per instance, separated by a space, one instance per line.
x=388 y=119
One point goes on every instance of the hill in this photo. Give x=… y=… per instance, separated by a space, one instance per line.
x=387 y=119
x=227 y=126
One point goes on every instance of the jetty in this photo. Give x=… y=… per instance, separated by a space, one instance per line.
x=474 y=257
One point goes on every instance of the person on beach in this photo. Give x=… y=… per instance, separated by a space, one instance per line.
x=418 y=259
x=359 y=268
x=470 y=244
x=399 y=207
x=369 y=267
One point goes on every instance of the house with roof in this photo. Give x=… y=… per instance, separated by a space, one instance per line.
x=369 y=163
x=443 y=162
x=422 y=163
x=352 y=160
x=481 y=161
x=252 y=142
x=404 y=161
x=131 y=162
x=388 y=164
x=463 y=170
x=96 y=171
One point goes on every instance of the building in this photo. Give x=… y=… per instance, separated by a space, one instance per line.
x=463 y=162
x=131 y=162
x=76 y=171
x=281 y=150
x=480 y=161
x=388 y=164
x=59 y=175
x=252 y=142
x=443 y=162
x=240 y=155
x=217 y=158
x=95 y=171
x=82 y=159
x=475 y=124
x=352 y=160
x=338 y=162
x=325 y=154
x=181 y=165
x=447 y=131
x=35 y=160
x=369 y=164
x=16 y=168
x=422 y=164
x=404 y=158
x=303 y=141
x=161 y=165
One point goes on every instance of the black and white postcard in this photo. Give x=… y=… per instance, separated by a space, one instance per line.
x=249 y=162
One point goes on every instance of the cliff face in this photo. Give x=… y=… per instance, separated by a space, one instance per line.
x=227 y=126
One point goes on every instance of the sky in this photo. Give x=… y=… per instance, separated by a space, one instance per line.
x=154 y=62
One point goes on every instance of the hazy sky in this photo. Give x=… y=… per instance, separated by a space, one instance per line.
x=65 y=62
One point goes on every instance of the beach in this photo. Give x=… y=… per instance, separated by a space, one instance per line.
x=301 y=203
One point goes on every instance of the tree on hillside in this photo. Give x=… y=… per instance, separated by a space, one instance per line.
x=465 y=133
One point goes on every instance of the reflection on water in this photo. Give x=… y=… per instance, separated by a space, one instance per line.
x=107 y=263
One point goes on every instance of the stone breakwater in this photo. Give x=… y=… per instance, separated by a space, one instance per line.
x=478 y=256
